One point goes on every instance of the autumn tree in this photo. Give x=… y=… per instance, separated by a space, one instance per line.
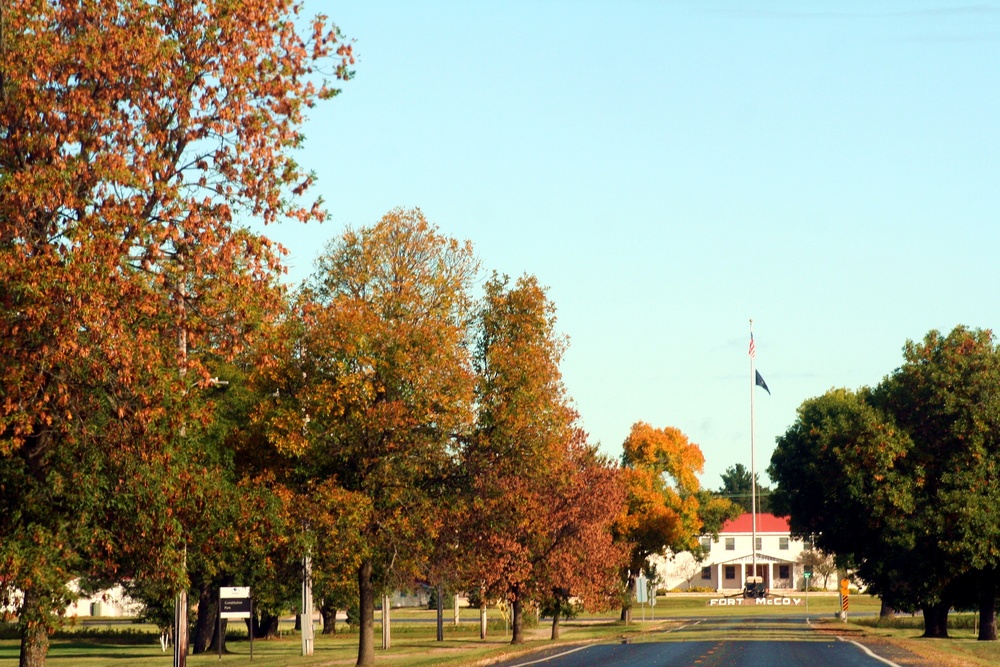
x=135 y=137
x=540 y=500
x=665 y=507
x=378 y=386
x=584 y=559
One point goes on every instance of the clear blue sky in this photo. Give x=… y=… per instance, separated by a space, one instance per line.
x=672 y=169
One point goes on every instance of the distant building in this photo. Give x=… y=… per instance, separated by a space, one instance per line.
x=729 y=558
x=113 y=602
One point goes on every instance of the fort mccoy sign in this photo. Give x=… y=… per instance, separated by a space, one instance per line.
x=754 y=602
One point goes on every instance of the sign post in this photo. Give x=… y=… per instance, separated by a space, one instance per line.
x=845 y=589
x=807 y=575
x=641 y=592
x=234 y=602
x=652 y=599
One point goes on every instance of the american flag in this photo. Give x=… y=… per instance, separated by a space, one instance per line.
x=753 y=348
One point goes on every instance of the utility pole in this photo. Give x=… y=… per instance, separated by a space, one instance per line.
x=306 y=620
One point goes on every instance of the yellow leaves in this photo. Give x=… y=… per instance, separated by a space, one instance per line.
x=665 y=450
x=657 y=514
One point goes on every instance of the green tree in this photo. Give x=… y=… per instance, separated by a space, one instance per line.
x=946 y=396
x=840 y=477
x=736 y=486
x=901 y=478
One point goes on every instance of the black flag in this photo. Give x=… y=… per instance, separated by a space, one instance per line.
x=760 y=383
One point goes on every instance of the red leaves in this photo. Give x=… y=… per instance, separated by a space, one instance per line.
x=543 y=501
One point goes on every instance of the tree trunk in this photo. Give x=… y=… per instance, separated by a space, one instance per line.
x=264 y=626
x=936 y=620
x=216 y=637
x=440 y=613
x=366 y=624
x=555 y=625
x=627 y=602
x=517 y=625
x=988 y=613
x=329 y=615
x=34 y=632
x=886 y=611
x=207 y=620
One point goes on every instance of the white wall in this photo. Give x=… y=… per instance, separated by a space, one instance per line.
x=109 y=603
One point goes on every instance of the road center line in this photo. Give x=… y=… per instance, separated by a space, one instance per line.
x=580 y=648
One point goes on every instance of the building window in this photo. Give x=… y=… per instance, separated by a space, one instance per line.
x=730 y=572
x=730 y=544
x=757 y=543
x=706 y=573
x=782 y=572
x=783 y=543
x=706 y=544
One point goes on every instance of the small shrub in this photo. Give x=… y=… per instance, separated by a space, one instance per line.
x=907 y=622
x=124 y=636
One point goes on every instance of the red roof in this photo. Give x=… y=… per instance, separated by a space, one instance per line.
x=766 y=523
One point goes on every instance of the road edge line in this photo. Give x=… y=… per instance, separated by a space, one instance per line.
x=870 y=652
x=550 y=657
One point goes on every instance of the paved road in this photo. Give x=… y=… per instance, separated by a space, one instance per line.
x=726 y=642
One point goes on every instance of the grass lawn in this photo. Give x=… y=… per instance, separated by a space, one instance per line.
x=413 y=645
x=414 y=641
x=960 y=649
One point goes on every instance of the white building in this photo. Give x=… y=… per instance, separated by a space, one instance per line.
x=113 y=602
x=729 y=558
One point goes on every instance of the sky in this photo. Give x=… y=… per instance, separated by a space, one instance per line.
x=672 y=171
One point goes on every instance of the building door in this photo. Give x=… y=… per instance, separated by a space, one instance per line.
x=763 y=570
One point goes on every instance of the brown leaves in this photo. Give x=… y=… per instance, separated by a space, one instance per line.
x=134 y=135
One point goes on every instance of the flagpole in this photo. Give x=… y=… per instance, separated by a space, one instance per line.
x=753 y=465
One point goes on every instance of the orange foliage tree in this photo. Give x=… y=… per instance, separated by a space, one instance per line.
x=666 y=507
x=541 y=501
x=378 y=387
x=133 y=137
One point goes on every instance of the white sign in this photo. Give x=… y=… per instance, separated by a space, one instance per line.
x=234 y=602
x=641 y=591
x=738 y=602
